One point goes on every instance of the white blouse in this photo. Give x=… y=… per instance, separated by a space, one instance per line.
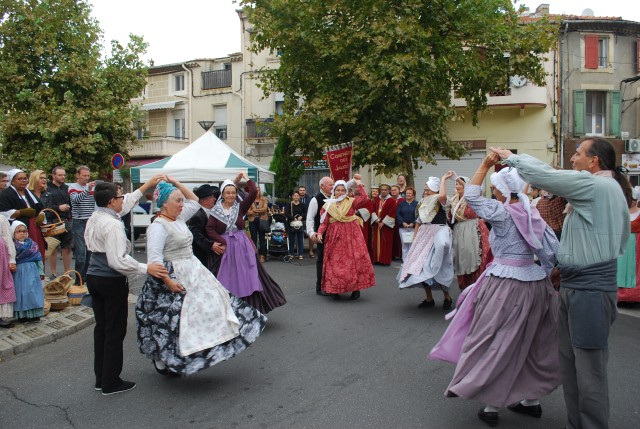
x=157 y=235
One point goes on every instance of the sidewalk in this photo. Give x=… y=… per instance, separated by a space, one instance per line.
x=55 y=325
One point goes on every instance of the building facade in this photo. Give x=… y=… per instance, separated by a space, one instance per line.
x=599 y=65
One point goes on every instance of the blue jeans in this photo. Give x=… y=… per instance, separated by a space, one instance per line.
x=80 y=252
x=296 y=241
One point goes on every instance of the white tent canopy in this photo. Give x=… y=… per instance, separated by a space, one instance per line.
x=208 y=159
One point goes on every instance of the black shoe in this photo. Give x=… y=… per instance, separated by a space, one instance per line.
x=335 y=296
x=23 y=319
x=125 y=386
x=319 y=292
x=531 y=410
x=489 y=417
x=98 y=385
x=447 y=304
x=355 y=295
x=163 y=371
x=427 y=304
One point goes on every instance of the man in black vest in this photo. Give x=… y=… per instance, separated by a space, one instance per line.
x=204 y=247
x=313 y=223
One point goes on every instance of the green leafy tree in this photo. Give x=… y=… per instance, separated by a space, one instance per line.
x=382 y=72
x=287 y=167
x=61 y=103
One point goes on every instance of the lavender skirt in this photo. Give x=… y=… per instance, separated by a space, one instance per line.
x=242 y=274
x=510 y=352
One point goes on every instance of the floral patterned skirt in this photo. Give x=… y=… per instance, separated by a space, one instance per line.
x=158 y=313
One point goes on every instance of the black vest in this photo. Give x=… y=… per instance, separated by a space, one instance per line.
x=316 y=220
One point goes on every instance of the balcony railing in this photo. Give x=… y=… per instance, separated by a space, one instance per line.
x=258 y=128
x=216 y=79
x=157 y=146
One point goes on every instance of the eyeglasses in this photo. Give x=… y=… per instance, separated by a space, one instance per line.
x=118 y=198
x=21 y=231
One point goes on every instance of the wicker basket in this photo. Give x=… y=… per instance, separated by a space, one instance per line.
x=76 y=293
x=60 y=285
x=55 y=228
x=47 y=307
x=58 y=303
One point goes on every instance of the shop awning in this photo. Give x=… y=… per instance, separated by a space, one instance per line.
x=161 y=106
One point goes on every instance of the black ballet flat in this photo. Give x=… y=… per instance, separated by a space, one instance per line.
x=336 y=296
x=355 y=295
x=164 y=371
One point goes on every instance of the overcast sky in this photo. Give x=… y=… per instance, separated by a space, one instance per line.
x=191 y=29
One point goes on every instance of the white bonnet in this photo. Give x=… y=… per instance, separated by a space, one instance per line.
x=12 y=173
x=15 y=224
x=508 y=181
x=635 y=193
x=433 y=183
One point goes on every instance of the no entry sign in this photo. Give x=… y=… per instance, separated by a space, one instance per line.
x=117 y=161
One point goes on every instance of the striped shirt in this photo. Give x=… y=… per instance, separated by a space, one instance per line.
x=82 y=202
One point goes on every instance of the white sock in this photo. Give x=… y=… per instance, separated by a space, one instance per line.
x=160 y=364
x=490 y=409
x=530 y=402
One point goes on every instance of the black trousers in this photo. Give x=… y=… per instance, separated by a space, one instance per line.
x=320 y=256
x=110 y=309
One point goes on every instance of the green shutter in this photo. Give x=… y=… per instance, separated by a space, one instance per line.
x=615 y=113
x=579 y=105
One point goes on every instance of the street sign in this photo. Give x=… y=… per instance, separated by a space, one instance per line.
x=117 y=161
x=117 y=177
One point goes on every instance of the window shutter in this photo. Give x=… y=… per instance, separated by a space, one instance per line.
x=579 y=105
x=591 y=51
x=615 y=113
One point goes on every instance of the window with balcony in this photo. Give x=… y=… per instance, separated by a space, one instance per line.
x=596 y=113
x=258 y=128
x=220 y=118
x=596 y=52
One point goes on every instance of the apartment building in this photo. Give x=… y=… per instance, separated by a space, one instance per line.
x=599 y=70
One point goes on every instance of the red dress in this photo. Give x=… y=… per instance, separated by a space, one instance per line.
x=346 y=266
x=382 y=238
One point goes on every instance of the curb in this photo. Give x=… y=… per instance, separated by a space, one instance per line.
x=56 y=325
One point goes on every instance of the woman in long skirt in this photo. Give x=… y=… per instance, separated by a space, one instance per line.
x=241 y=271
x=187 y=321
x=503 y=335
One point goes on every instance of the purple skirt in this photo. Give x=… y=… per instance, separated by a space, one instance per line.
x=510 y=352
x=243 y=275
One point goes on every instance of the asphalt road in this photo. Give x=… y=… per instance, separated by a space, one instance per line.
x=319 y=363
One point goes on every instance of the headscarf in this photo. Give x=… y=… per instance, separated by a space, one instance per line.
x=332 y=200
x=162 y=192
x=635 y=193
x=218 y=211
x=433 y=184
x=458 y=203
x=11 y=174
x=509 y=182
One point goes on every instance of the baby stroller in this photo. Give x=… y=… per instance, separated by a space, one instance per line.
x=277 y=240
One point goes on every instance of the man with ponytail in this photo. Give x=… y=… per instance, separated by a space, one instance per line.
x=594 y=234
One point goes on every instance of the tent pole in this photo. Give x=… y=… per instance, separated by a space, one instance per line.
x=132 y=237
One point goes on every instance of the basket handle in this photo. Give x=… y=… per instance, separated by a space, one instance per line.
x=77 y=273
x=54 y=212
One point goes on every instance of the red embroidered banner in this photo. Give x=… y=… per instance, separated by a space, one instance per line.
x=339 y=160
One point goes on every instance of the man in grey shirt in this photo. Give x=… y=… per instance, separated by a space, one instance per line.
x=594 y=234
